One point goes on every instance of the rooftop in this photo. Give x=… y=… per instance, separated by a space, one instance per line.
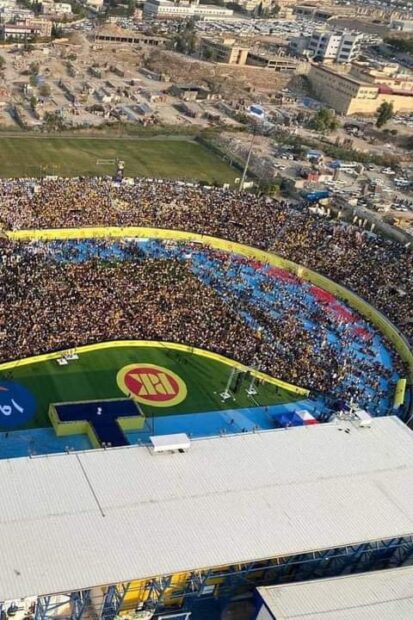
x=369 y=596
x=100 y=517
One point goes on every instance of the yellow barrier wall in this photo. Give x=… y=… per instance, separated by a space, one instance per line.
x=356 y=302
x=160 y=344
x=400 y=393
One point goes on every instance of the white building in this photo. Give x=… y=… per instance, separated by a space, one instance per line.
x=165 y=9
x=327 y=45
x=96 y=5
x=56 y=8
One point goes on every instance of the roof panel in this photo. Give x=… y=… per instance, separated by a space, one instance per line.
x=80 y=520
x=369 y=596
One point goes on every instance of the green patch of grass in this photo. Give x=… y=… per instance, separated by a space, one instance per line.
x=160 y=157
x=93 y=377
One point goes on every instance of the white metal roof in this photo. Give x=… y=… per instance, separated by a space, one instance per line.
x=386 y=594
x=73 y=521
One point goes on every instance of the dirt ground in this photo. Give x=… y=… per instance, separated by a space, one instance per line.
x=230 y=81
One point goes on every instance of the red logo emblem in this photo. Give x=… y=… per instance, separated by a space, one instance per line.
x=153 y=385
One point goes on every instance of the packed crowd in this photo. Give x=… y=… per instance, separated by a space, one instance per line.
x=378 y=270
x=61 y=295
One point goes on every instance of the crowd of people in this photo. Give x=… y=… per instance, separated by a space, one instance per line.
x=60 y=295
x=378 y=270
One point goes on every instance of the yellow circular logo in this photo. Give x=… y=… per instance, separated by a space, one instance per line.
x=152 y=385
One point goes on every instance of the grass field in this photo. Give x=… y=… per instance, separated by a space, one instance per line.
x=93 y=377
x=151 y=157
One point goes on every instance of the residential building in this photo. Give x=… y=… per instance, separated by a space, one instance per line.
x=14 y=13
x=329 y=46
x=286 y=12
x=165 y=9
x=56 y=8
x=337 y=47
x=42 y=27
x=27 y=30
x=354 y=92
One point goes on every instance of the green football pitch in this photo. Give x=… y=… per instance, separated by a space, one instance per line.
x=94 y=377
x=28 y=156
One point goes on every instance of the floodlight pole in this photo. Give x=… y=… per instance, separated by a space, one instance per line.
x=247 y=163
x=258 y=121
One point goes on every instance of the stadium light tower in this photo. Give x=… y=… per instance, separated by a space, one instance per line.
x=257 y=115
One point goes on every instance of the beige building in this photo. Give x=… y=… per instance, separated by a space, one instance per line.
x=280 y=63
x=96 y=5
x=113 y=34
x=229 y=51
x=360 y=91
x=224 y=50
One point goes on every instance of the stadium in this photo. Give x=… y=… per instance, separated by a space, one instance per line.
x=183 y=364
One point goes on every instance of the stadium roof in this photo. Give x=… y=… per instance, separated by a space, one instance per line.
x=73 y=521
x=369 y=596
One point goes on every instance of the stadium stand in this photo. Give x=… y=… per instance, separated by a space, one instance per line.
x=377 y=269
x=60 y=295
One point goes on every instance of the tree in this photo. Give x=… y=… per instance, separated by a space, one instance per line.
x=324 y=121
x=44 y=90
x=185 y=40
x=53 y=121
x=33 y=102
x=57 y=31
x=2 y=62
x=384 y=113
x=131 y=7
x=34 y=68
x=401 y=45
